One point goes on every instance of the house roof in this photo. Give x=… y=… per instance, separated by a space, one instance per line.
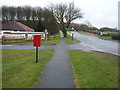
x=13 y=25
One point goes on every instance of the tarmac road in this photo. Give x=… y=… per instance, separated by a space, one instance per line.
x=26 y=46
x=88 y=42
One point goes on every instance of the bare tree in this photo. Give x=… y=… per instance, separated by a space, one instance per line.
x=20 y=13
x=5 y=13
x=34 y=14
x=72 y=14
x=12 y=12
x=39 y=13
x=65 y=14
x=88 y=23
x=27 y=11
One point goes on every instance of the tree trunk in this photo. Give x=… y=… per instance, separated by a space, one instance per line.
x=68 y=24
x=65 y=33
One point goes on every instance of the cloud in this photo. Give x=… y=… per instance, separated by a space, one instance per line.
x=102 y=20
x=99 y=12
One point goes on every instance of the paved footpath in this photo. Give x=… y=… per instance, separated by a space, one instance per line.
x=58 y=71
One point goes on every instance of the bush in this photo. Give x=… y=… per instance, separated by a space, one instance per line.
x=115 y=36
x=92 y=32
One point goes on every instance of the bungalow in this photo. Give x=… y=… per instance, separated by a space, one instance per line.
x=16 y=26
x=17 y=30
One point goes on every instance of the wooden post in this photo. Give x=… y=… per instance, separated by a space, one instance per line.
x=36 y=54
x=72 y=36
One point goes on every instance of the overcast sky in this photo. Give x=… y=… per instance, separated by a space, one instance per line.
x=100 y=13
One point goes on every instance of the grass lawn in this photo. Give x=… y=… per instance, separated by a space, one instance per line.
x=70 y=41
x=94 y=69
x=19 y=69
x=17 y=42
x=0 y=68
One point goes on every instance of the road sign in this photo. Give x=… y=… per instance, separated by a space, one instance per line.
x=69 y=32
x=37 y=41
x=67 y=29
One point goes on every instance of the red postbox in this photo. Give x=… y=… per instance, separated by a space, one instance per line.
x=37 y=41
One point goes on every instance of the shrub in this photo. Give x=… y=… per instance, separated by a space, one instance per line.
x=115 y=36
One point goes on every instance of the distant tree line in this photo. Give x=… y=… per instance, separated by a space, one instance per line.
x=35 y=17
x=108 y=29
x=86 y=28
x=21 y=13
x=54 y=17
x=83 y=27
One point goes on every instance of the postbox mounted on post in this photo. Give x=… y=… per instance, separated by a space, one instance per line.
x=37 y=41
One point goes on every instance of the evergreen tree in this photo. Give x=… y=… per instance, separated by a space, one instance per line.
x=40 y=27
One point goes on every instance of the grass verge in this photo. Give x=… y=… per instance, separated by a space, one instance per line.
x=0 y=67
x=70 y=41
x=106 y=38
x=86 y=33
x=94 y=69
x=55 y=41
x=19 y=69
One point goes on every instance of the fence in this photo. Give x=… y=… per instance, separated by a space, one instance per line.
x=12 y=36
